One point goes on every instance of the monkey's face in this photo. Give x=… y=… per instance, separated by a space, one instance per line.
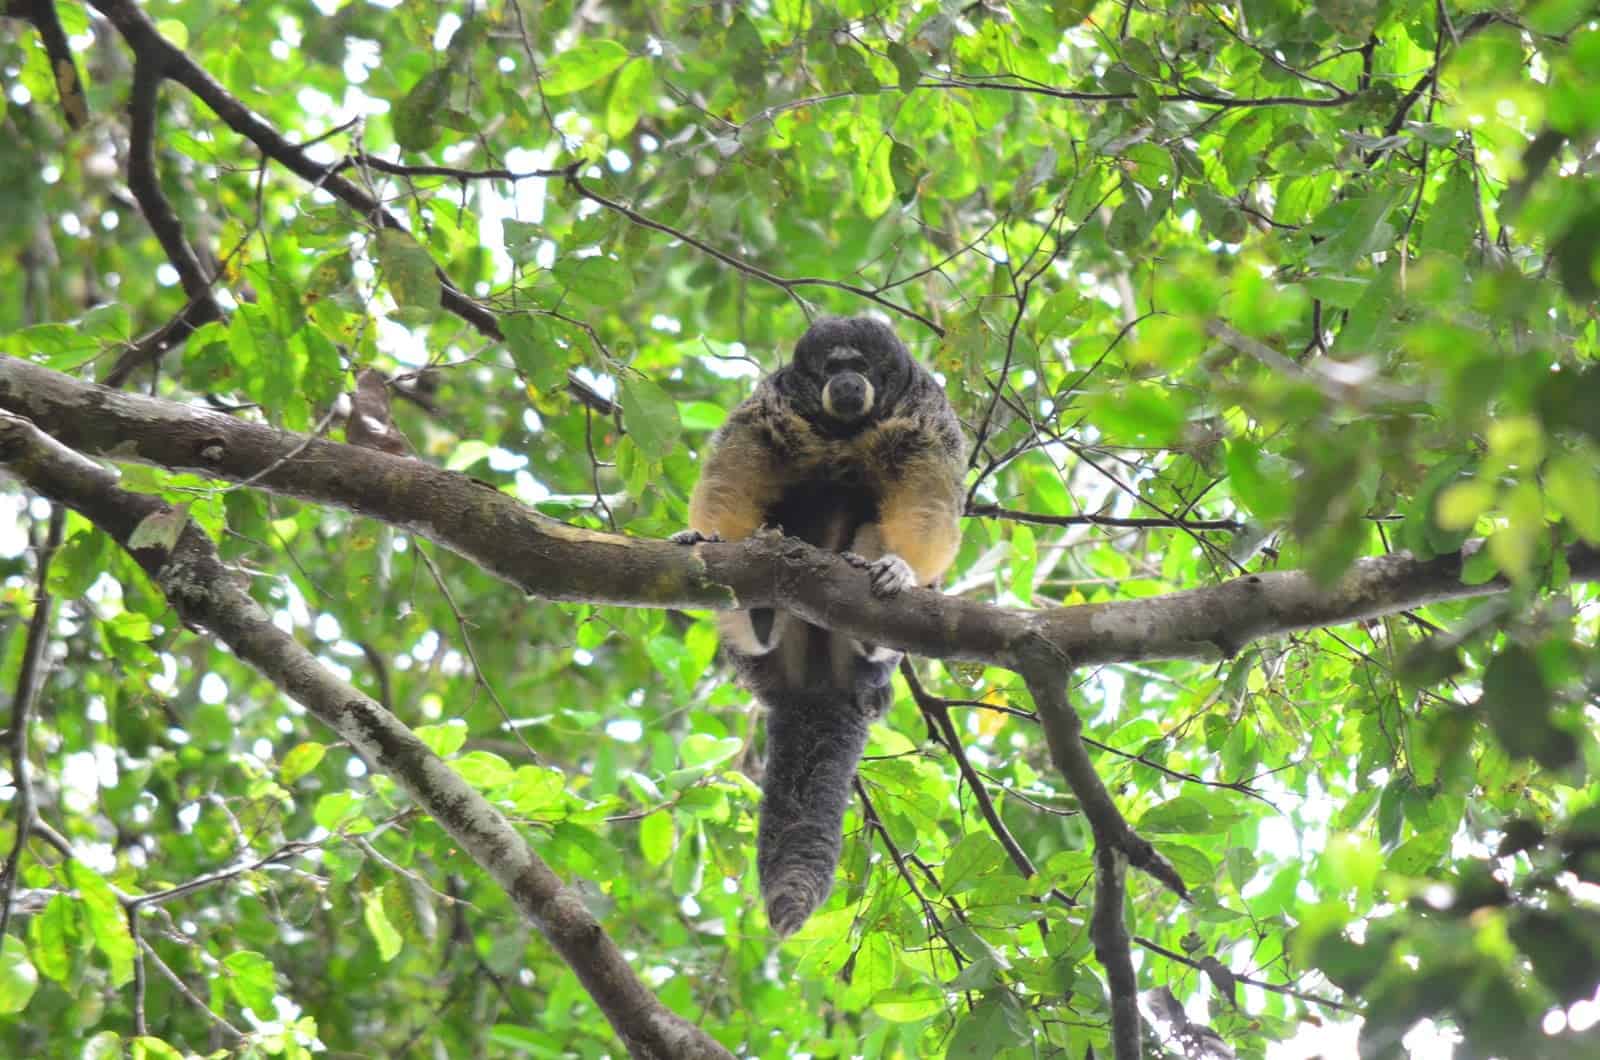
x=848 y=394
x=850 y=370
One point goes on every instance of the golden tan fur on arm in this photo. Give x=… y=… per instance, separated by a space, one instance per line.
x=919 y=521
x=739 y=481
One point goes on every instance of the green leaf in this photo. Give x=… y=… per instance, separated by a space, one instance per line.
x=908 y=1004
x=483 y=769
x=630 y=94
x=581 y=851
x=300 y=760
x=1577 y=256
x=252 y=980
x=875 y=189
x=906 y=67
x=1266 y=494
x=906 y=170
x=973 y=858
x=579 y=67
x=996 y=1023
x=527 y=1040
x=1518 y=703
x=537 y=790
x=1024 y=562
x=650 y=415
x=1461 y=503
x=445 y=738
x=656 y=838
x=147 y=1048
x=701 y=415
x=1140 y=414
x=52 y=936
x=1357 y=228
x=701 y=751
x=1417 y=855
x=106 y=1045
x=336 y=810
x=408 y=270
x=416 y=117
x=18 y=977
x=1573 y=486
x=1139 y=56
x=1182 y=814
x=107 y=923
x=534 y=350
x=160 y=529
x=1453 y=221
x=379 y=927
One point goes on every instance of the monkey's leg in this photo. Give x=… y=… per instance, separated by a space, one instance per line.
x=859 y=664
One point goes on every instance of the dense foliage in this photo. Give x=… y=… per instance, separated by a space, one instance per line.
x=1263 y=285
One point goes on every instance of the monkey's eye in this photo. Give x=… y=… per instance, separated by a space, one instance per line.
x=845 y=359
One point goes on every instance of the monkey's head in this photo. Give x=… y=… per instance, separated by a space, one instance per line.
x=849 y=371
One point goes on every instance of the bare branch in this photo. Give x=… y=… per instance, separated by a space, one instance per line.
x=63 y=67
x=995 y=511
x=782 y=283
x=1116 y=846
x=30 y=677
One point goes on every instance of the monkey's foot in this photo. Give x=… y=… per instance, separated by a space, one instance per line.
x=889 y=573
x=693 y=537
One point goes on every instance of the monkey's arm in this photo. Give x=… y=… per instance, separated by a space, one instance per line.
x=740 y=480
x=919 y=514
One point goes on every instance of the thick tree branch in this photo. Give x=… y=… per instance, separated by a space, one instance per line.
x=145 y=183
x=1116 y=844
x=550 y=559
x=184 y=564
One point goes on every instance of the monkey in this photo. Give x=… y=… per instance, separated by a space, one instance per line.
x=852 y=447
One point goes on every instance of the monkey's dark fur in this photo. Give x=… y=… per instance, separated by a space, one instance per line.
x=854 y=448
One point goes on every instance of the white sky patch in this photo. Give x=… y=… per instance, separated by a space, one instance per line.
x=326 y=627
x=625 y=730
x=213 y=689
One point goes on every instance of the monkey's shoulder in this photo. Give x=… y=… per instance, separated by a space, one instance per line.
x=922 y=426
x=768 y=420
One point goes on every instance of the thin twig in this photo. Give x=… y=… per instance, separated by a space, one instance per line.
x=30 y=678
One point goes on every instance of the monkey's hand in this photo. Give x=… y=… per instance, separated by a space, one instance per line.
x=890 y=574
x=694 y=537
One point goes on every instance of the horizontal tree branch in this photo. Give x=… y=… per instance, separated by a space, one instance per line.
x=551 y=559
x=184 y=563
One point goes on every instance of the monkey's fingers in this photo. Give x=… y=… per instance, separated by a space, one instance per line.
x=890 y=575
x=693 y=537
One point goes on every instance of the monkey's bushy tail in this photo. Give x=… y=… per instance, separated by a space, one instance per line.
x=814 y=743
